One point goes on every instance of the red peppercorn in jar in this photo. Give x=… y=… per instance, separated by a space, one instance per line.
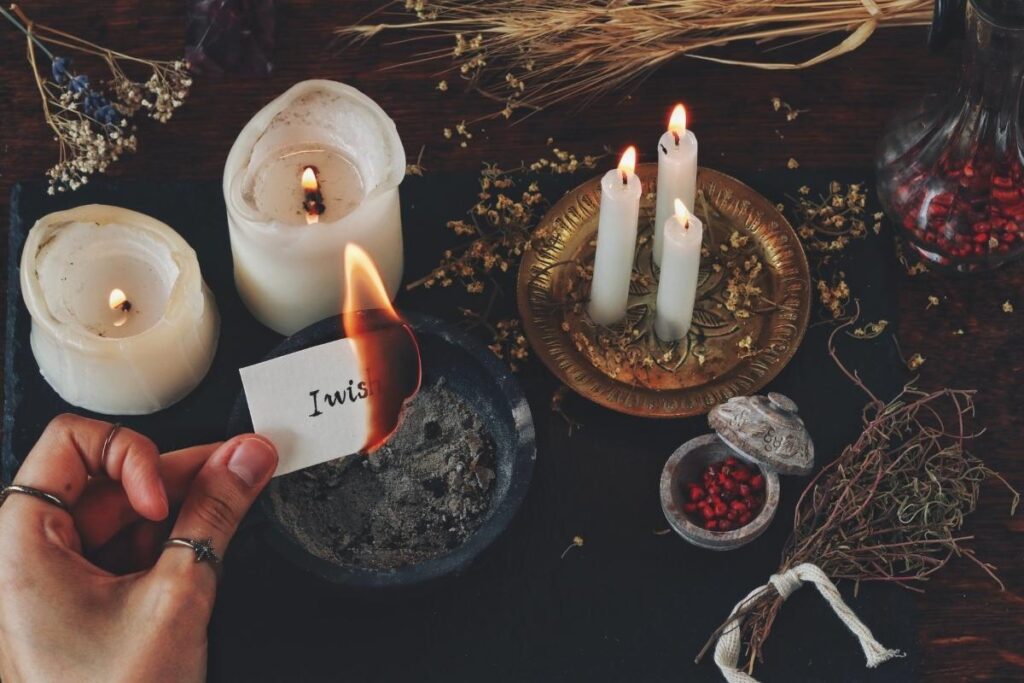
x=950 y=171
x=720 y=491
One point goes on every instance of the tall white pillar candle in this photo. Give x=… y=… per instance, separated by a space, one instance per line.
x=287 y=241
x=680 y=268
x=616 y=241
x=122 y=322
x=677 y=174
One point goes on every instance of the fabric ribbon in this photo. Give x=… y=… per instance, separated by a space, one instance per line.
x=727 y=650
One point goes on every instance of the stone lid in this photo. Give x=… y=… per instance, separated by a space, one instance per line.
x=766 y=430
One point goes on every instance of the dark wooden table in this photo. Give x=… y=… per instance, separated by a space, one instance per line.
x=969 y=630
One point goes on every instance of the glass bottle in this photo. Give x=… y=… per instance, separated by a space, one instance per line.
x=950 y=172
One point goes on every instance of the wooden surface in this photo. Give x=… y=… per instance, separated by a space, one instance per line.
x=969 y=629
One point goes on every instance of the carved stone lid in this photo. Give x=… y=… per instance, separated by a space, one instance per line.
x=766 y=430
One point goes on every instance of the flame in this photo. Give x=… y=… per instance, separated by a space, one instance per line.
x=311 y=190
x=677 y=122
x=118 y=301
x=682 y=214
x=385 y=345
x=627 y=164
x=364 y=289
x=309 y=181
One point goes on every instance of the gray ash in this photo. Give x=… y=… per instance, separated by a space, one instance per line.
x=418 y=497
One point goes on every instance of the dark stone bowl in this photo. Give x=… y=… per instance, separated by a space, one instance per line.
x=469 y=369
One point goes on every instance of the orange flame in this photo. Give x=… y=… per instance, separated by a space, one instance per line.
x=682 y=215
x=677 y=122
x=309 y=181
x=311 y=189
x=627 y=164
x=386 y=347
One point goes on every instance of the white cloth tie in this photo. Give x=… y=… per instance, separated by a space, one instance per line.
x=727 y=650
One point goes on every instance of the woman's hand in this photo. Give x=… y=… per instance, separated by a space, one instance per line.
x=65 y=615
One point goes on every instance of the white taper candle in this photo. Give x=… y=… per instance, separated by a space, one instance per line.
x=680 y=267
x=616 y=241
x=677 y=174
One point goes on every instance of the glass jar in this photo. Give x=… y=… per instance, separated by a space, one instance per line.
x=950 y=171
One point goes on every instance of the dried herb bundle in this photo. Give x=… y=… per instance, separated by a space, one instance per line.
x=534 y=53
x=891 y=506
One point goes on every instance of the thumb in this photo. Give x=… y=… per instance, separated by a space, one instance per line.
x=219 y=497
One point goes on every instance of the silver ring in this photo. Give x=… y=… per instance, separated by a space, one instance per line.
x=114 y=429
x=35 y=493
x=202 y=547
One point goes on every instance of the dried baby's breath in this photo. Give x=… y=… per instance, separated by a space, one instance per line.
x=932 y=301
x=1007 y=307
x=870 y=330
x=915 y=362
x=792 y=164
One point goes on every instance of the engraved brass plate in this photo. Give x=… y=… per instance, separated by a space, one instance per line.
x=717 y=360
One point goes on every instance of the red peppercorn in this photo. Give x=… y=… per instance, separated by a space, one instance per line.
x=690 y=508
x=707 y=512
x=721 y=508
x=724 y=525
x=744 y=490
x=757 y=482
x=696 y=492
x=711 y=525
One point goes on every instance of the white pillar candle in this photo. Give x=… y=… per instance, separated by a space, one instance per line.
x=677 y=174
x=122 y=322
x=288 y=259
x=680 y=268
x=616 y=241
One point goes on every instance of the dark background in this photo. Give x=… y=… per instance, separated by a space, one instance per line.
x=967 y=628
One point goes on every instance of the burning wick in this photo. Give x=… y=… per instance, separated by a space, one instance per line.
x=627 y=164
x=313 y=200
x=118 y=301
x=677 y=122
x=682 y=215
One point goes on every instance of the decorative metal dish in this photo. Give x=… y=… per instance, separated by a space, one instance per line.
x=753 y=303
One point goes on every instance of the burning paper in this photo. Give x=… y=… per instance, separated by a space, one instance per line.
x=345 y=396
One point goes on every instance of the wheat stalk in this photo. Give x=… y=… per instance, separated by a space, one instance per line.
x=535 y=53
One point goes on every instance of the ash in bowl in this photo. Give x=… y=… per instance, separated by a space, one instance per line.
x=419 y=496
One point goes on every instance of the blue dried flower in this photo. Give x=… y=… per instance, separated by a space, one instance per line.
x=60 y=69
x=78 y=84
x=107 y=114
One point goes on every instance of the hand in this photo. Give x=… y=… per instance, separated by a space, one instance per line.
x=64 y=614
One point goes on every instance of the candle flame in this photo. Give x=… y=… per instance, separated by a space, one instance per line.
x=682 y=214
x=117 y=298
x=311 y=189
x=627 y=164
x=309 y=181
x=118 y=301
x=385 y=345
x=677 y=122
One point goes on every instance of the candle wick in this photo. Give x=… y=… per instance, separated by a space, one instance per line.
x=664 y=150
x=625 y=178
x=675 y=134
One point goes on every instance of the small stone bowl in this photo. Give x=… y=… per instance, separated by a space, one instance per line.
x=685 y=465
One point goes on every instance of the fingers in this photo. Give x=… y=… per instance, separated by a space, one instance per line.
x=219 y=497
x=104 y=510
x=70 y=450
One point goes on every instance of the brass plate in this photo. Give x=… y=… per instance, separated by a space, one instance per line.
x=689 y=387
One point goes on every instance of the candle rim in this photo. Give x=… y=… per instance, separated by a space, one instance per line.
x=187 y=284
x=236 y=168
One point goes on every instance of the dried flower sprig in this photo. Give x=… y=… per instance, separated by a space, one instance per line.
x=891 y=507
x=93 y=128
x=534 y=54
x=499 y=229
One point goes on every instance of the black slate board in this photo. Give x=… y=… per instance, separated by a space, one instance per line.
x=628 y=605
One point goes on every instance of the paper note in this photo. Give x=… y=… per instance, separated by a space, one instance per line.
x=313 y=404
